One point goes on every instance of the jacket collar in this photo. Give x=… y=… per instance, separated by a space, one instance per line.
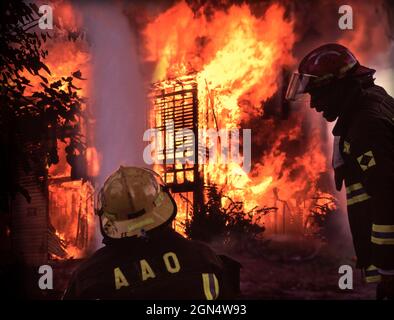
x=350 y=106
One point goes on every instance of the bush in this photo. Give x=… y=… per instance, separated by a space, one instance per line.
x=232 y=225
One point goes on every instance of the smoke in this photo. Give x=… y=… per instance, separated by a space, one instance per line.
x=117 y=99
x=371 y=39
x=118 y=94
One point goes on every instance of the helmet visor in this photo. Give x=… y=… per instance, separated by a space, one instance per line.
x=297 y=85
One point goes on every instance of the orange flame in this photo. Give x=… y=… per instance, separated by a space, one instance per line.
x=70 y=202
x=71 y=214
x=238 y=59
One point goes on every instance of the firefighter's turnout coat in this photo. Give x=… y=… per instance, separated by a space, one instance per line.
x=163 y=266
x=364 y=160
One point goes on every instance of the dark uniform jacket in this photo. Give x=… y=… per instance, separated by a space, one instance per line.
x=366 y=145
x=163 y=266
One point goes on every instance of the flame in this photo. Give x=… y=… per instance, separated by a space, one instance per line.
x=64 y=58
x=237 y=59
x=70 y=202
x=71 y=214
x=62 y=168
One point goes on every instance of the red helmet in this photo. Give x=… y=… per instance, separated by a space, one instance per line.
x=322 y=66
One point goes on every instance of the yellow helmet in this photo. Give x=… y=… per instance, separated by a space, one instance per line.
x=132 y=201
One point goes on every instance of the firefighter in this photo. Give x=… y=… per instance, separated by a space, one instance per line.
x=363 y=157
x=143 y=257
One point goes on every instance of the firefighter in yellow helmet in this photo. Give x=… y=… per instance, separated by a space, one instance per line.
x=143 y=257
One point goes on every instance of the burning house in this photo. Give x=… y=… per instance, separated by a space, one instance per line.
x=174 y=110
x=230 y=82
x=208 y=78
x=58 y=221
x=227 y=72
x=55 y=221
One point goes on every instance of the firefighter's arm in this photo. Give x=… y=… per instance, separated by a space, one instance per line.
x=372 y=150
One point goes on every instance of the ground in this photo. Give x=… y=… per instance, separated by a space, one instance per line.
x=294 y=268
x=284 y=268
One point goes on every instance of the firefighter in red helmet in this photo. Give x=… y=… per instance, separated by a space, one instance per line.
x=344 y=90
x=143 y=257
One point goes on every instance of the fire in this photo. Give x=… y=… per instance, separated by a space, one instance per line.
x=64 y=58
x=254 y=51
x=62 y=168
x=71 y=223
x=237 y=59
x=71 y=215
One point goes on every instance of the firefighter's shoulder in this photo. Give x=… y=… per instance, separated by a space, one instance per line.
x=199 y=250
x=94 y=266
x=84 y=275
x=372 y=119
x=371 y=130
x=376 y=105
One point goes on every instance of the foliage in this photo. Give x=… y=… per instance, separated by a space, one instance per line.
x=322 y=214
x=232 y=223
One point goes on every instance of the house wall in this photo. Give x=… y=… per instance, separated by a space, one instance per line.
x=30 y=223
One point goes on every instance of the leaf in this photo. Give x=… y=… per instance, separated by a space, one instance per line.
x=56 y=84
x=78 y=75
x=43 y=66
x=74 y=87
x=43 y=78
x=25 y=81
